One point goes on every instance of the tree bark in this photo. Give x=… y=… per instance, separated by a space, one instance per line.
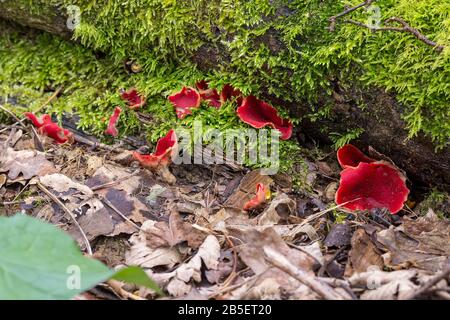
x=381 y=120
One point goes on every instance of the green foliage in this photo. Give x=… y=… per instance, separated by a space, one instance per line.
x=137 y=276
x=36 y=260
x=438 y=201
x=39 y=261
x=340 y=140
x=280 y=47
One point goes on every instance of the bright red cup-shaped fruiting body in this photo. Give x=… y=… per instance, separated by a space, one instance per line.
x=133 y=99
x=372 y=185
x=112 y=129
x=50 y=129
x=351 y=156
x=38 y=121
x=259 y=114
x=58 y=134
x=262 y=195
x=229 y=92
x=165 y=148
x=185 y=100
x=209 y=95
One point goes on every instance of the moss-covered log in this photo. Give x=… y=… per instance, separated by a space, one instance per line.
x=388 y=89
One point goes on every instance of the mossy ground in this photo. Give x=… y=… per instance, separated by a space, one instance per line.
x=282 y=48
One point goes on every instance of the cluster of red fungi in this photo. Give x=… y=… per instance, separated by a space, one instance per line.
x=365 y=182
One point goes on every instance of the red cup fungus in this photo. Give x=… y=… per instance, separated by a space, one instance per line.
x=111 y=129
x=185 y=100
x=133 y=99
x=262 y=195
x=259 y=114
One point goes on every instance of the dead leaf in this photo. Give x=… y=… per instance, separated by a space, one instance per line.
x=339 y=235
x=169 y=234
x=251 y=251
x=61 y=184
x=382 y=285
x=280 y=208
x=423 y=243
x=140 y=254
x=2 y=179
x=364 y=254
x=26 y=162
x=246 y=189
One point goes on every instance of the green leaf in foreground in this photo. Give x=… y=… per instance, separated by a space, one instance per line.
x=39 y=261
x=138 y=277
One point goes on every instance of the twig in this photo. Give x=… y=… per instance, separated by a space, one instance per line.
x=115 y=182
x=109 y=204
x=233 y=273
x=66 y=210
x=117 y=287
x=281 y=262
x=427 y=286
x=20 y=121
x=13 y=116
x=347 y=11
x=339 y=283
x=324 y=267
x=405 y=28
x=252 y=279
x=96 y=145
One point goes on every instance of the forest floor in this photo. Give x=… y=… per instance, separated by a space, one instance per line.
x=194 y=239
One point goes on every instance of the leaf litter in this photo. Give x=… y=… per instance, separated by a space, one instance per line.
x=195 y=241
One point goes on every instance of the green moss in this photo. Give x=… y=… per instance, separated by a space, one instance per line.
x=281 y=47
x=438 y=201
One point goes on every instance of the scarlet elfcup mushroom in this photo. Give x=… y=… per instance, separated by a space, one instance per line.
x=207 y=94
x=112 y=130
x=259 y=114
x=185 y=100
x=262 y=195
x=229 y=92
x=57 y=133
x=38 y=122
x=159 y=161
x=133 y=98
x=351 y=156
x=48 y=128
x=372 y=185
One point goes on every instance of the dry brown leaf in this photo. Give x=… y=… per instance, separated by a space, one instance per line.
x=246 y=189
x=169 y=234
x=61 y=184
x=29 y=163
x=208 y=253
x=281 y=207
x=424 y=243
x=142 y=255
x=251 y=253
x=381 y=285
x=364 y=254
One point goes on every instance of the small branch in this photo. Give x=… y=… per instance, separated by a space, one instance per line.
x=347 y=11
x=428 y=285
x=20 y=121
x=281 y=262
x=66 y=210
x=115 y=182
x=109 y=204
x=116 y=286
x=405 y=27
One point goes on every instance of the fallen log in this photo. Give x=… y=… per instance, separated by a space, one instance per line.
x=380 y=119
